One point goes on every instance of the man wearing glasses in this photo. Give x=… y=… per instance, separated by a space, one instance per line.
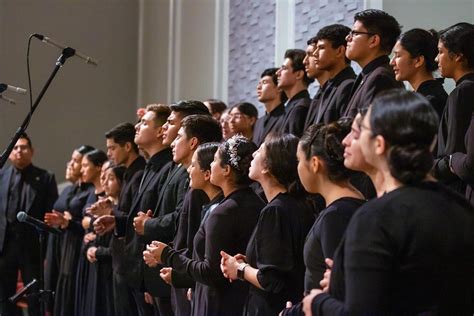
x=369 y=43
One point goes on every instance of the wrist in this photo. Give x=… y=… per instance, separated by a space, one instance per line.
x=241 y=270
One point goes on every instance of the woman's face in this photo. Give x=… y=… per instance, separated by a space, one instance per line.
x=240 y=122
x=304 y=170
x=367 y=140
x=217 y=172
x=353 y=156
x=112 y=184
x=225 y=126
x=89 y=171
x=446 y=61
x=103 y=173
x=198 y=177
x=258 y=164
x=73 y=167
x=404 y=66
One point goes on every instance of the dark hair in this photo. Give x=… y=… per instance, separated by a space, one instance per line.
x=189 y=107
x=297 y=56
x=24 y=135
x=280 y=153
x=409 y=124
x=97 y=157
x=272 y=72
x=246 y=108
x=205 y=155
x=325 y=142
x=237 y=153
x=217 y=106
x=205 y=128
x=84 y=149
x=312 y=41
x=419 y=42
x=381 y=23
x=123 y=133
x=459 y=39
x=162 y=111
x=336 y=34
x=119 y=172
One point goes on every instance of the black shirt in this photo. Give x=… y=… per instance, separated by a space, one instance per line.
x=434 y=92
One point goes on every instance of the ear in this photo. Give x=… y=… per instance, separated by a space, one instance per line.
x=374 y=41
x=419 y=61
x=159 y=132
x=380 y=145
x=253 y=120
x=459 y=58
x=299 y=75
x=315 y=164
x=194 y=143
x=128 y=147
x=207 y=175
x=226 y=171
x=341 y=51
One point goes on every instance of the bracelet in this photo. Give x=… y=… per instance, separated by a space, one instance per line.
x=241 y=271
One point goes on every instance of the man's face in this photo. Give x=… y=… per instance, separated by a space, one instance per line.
x=309 y=62
x=22 y=154
x=146 y=131
x=326 y=55
x=287 y=78
x=358 y=42
x=267 y=90
x=182 y=147
x=117 y=153
x=171 y=127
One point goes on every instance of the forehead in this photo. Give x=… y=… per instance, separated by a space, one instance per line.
x=110 y=142
x=266 y=79
x=359 y=26
x=235 y=110
x=149 y=116
x=310 y=48
x=22 y=142
x=76 y=155
x=174 y=116
x=287 y=62
x=181 y=132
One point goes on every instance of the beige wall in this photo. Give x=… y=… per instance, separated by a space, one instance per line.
x=83 y=101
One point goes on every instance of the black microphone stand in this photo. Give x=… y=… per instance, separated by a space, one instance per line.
x=66 y=53
x=44 y=296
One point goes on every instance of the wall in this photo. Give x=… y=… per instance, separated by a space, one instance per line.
x=83 y=101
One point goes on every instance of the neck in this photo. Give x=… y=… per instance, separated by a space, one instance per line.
x=271 y=188
x=340 y=66
x=377 y=180
x=295 y=89
x=154 y=149
x=131 y=158
x=332 y=191
x=419 y=78
x=97 y=185
x=366 y=60
x=459 y=73
x=211 y=191
x=186 y=162
x=271 y=105
x=248 y=134
x=228 y=187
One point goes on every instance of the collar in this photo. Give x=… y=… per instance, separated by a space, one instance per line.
x=377 y=62
x=469 y=76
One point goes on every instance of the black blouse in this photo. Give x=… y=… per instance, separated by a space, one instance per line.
x=434 y=92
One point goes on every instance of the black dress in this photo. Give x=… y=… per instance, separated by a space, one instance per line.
x=276 y=250
x=228 y=228
x=70 y=247
x=407 y=253
x=434 y=92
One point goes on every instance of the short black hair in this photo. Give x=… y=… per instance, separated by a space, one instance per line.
x=204 y=127
x=297 y=56
x=419 y=42
x=313 y=40
x=162 y=111
x=381 y=23
x=272 y=72
x=336 y=34
x=84 y=149
x=217 y=106
x=123 y=133
x=24 y=135
x=189 y=107
x=459 y=39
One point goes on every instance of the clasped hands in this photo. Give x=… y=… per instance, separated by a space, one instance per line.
x=57 y=219
x=229 y=265
x=152 y=254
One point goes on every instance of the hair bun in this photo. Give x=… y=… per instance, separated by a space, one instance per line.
x=409 y=164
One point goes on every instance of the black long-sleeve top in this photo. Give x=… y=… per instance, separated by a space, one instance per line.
x=296 y=110
x=408 y=252
x=228 y=228
x=434 y=92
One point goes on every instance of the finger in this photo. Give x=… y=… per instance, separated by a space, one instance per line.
x=149 y=213
x=289 y=304
x=329 y=262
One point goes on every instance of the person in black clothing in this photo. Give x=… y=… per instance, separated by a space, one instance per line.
x=330 y=54
x=67 y=215
x=149 y=137
x=228 y=228
x=369 y=43
x=242 y=118
x=394 y=260
x=273 y=264
x=202 y=198
x=294 y=81
x=321 y=170
x=456 y=61
x=273 y=99
x=313 y=72
x=414 y=61
x=23 y=187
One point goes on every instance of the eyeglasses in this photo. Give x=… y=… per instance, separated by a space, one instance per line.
x=353 y=33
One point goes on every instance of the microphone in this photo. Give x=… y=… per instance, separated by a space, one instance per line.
x=50 y=41
x=40 y=225
x=11 y=101
x=15 y=298
x=4 y=86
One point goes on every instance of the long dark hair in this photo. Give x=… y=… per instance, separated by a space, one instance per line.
x=419 y=42
x=409 y=124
